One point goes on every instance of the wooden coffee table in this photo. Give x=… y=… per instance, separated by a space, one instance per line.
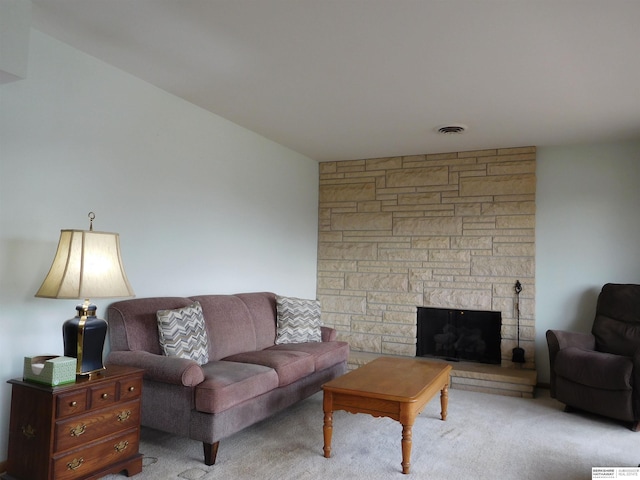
x=398 y=388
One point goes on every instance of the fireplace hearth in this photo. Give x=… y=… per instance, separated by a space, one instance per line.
x=459 y=335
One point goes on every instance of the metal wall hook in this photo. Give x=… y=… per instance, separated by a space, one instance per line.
x=92 y=217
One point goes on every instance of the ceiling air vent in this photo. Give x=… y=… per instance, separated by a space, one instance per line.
x=452 y=129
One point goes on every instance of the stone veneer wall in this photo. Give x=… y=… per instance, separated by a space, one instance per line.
x=452 y=230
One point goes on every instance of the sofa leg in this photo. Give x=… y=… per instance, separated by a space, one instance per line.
x=210 y=452
x=635 y=426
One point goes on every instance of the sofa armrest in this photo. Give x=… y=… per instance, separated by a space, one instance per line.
x=559 y=339
x=174 y=370
x=328 y=334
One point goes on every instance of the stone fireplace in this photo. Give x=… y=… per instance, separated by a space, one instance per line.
x=453 y=230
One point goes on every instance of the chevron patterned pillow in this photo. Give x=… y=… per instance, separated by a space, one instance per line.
x=183 y=334
x=298 y=320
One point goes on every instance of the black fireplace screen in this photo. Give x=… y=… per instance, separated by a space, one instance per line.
x=469 y=335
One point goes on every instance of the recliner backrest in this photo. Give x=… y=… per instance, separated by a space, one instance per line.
x=616 y=326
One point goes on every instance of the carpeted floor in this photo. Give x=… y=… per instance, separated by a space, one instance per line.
x=484 y=437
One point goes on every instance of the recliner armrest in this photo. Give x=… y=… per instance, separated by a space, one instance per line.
x=564 y=339
x=559 y=339
x=174 y=370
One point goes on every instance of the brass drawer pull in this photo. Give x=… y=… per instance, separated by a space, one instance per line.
x=29 y=432
x=73 y=404
x=124 y=415
x=131 y=389
x=121 y=447
x=105 y=396
x=78 y=430
x=75 y=463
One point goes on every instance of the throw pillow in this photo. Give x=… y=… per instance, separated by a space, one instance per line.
x=183 y=333
x=298 y=320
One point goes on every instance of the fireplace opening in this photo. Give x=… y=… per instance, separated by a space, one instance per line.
x=469 y=335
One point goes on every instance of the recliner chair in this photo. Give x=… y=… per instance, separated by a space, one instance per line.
x=600 y=372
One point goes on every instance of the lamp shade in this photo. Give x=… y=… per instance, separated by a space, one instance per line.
x=87 y=265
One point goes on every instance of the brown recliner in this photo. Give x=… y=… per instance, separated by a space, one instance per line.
x=599 y=372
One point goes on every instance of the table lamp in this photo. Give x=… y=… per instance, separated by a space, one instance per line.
x=87 y=265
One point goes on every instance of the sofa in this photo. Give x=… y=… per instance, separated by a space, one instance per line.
x=261 y=353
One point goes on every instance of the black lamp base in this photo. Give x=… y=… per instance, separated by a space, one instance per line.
x=84 y=337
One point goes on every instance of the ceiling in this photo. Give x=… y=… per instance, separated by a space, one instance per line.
x=349 y=79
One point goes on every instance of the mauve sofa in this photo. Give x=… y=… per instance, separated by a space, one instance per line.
x=248 y=376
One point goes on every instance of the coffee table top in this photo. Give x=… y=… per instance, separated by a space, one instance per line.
x=401 y=379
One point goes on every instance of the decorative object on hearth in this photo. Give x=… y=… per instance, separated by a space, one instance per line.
x=518 y=352
x=87 y=265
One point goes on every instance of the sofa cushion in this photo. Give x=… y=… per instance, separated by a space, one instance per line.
x=325 y=354
x=290 y=366
x=262 y=307
x=229 y=323
x=182 y=333
x=227 y=384
x=298 y=320
x=133 y=323
x=595 y=369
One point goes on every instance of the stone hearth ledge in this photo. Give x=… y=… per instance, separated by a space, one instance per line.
x=477 y=377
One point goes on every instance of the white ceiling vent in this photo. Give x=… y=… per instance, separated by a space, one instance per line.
x=456 y=128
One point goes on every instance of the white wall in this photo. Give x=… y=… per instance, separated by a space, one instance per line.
x=201 y=205
x=587 y=233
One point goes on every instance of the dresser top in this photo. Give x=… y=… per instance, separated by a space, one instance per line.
x=113 y=372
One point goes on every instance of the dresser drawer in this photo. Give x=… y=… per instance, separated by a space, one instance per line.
x=78 y=431
x=102 y=395
x=130 y=388
x=71 y=403
x=82 y=462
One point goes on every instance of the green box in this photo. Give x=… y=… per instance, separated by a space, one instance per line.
x=50 y=370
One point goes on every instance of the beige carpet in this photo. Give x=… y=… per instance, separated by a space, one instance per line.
x=484 y=437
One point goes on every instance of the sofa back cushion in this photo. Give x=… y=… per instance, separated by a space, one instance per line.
x=262 y=306
x=235 y=323
x=238 y=323
x=133 y=324
x=617 y=323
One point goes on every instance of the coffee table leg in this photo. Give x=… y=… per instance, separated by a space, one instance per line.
x=407 y=435
x=327 y=429
x=444 y=401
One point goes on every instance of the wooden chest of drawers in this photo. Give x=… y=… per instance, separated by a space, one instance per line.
x=79 y=431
